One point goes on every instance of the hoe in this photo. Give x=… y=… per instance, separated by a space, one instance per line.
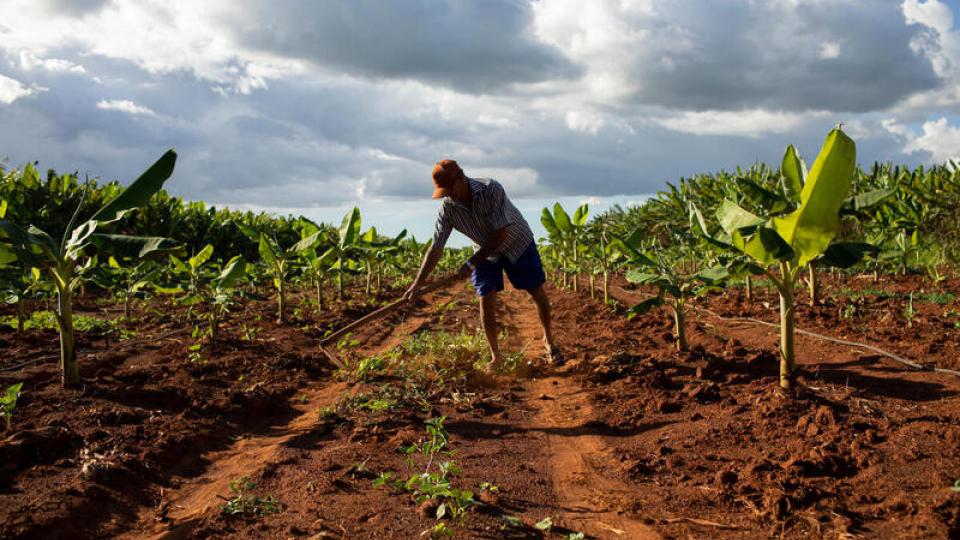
x=370 y=317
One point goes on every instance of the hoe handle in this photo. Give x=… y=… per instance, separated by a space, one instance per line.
x=385 y=310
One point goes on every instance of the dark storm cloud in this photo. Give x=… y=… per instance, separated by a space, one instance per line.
x=770 y=55
x=475 y=47
x=75 y=7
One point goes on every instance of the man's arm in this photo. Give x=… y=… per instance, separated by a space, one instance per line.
x=492 y=247
x=432 y=257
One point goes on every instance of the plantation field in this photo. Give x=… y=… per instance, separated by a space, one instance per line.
x=257 y=435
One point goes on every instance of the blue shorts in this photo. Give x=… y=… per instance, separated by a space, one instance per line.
x=525 y=274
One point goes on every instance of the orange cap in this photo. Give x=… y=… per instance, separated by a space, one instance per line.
x=445 y=173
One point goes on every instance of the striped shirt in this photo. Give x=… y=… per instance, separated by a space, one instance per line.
x=490 y=210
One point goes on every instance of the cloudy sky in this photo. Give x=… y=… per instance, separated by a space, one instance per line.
x=311 y=106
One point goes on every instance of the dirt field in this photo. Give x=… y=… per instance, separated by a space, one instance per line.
x=629 y=439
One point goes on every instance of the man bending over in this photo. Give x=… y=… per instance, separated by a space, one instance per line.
x=479 y=208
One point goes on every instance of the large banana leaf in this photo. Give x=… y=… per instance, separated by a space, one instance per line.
x=865 y=201
x=546 y=218
x=847 y=254
x=350 y=228
x=308 y=243
x=794 y=173
x=269 y=251
x=580 y=215
x=764 y=245
x=733 y=219
x=135 y=247
x=235 y=269
x=562 y=219
x=140 y=191
x=203 y=256
x=811 y=228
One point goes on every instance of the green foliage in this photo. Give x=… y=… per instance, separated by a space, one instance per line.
x=8 y=402
x=792 y=240
x=65 y=260
x=436 y=480
x=243 y=503
x=208 y=284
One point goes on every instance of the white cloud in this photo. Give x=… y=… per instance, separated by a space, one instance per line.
x=29 y=62
x=940 y=44
x=584 y=121
x=830 y=50
x=937 y=138
x=747 y=123
x=12 y=90
x=125 y=105
x=932 y=13
x=518 y=182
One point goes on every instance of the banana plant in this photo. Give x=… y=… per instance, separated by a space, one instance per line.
x=376 y=252
x=61 y=260
x=567 y=233
x=782 y=244
x=316 y=267
x=279 y=260
x=675 y=287
x=17 y=286
x=604 y=256
x=127 y=283
x=346 y=248
x=208 y=284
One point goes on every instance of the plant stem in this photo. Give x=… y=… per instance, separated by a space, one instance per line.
x=316 y=282
x=280 y=298
x=21 y=315
x=814 y=284
x=606 y=287
x=787 y=358
x=749 y=287
x=69 y=372
x=679 y=318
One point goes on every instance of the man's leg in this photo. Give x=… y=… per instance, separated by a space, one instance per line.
x=488 y=315
x=539 y=296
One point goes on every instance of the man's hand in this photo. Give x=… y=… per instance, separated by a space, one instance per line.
x=465 y=270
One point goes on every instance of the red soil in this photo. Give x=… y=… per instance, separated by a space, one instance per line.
x=630 y=439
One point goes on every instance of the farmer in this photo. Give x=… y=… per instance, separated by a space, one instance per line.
x=479 y=208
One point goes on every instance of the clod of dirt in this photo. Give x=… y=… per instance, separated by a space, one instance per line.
x=97 y=468
x=726 y=478
x=428 y=508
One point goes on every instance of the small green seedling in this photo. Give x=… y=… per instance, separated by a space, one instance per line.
x=9 y=402
x=545 y=524
x=243 y=503
x=909 y=312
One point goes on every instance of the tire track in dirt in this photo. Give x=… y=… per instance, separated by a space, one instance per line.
x=588 y=500
x=181 y=509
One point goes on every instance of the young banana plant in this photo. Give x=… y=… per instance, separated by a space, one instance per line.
x=675 y=288
x=209 y=284
x=346 y=248
x=127 y=283
x=782 y=244
x=17 y=286
x=61 y=260
x=279 y=262
x=567 y=233
x=376 y=252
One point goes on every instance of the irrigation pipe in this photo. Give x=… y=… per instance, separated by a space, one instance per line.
x=909 y=363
